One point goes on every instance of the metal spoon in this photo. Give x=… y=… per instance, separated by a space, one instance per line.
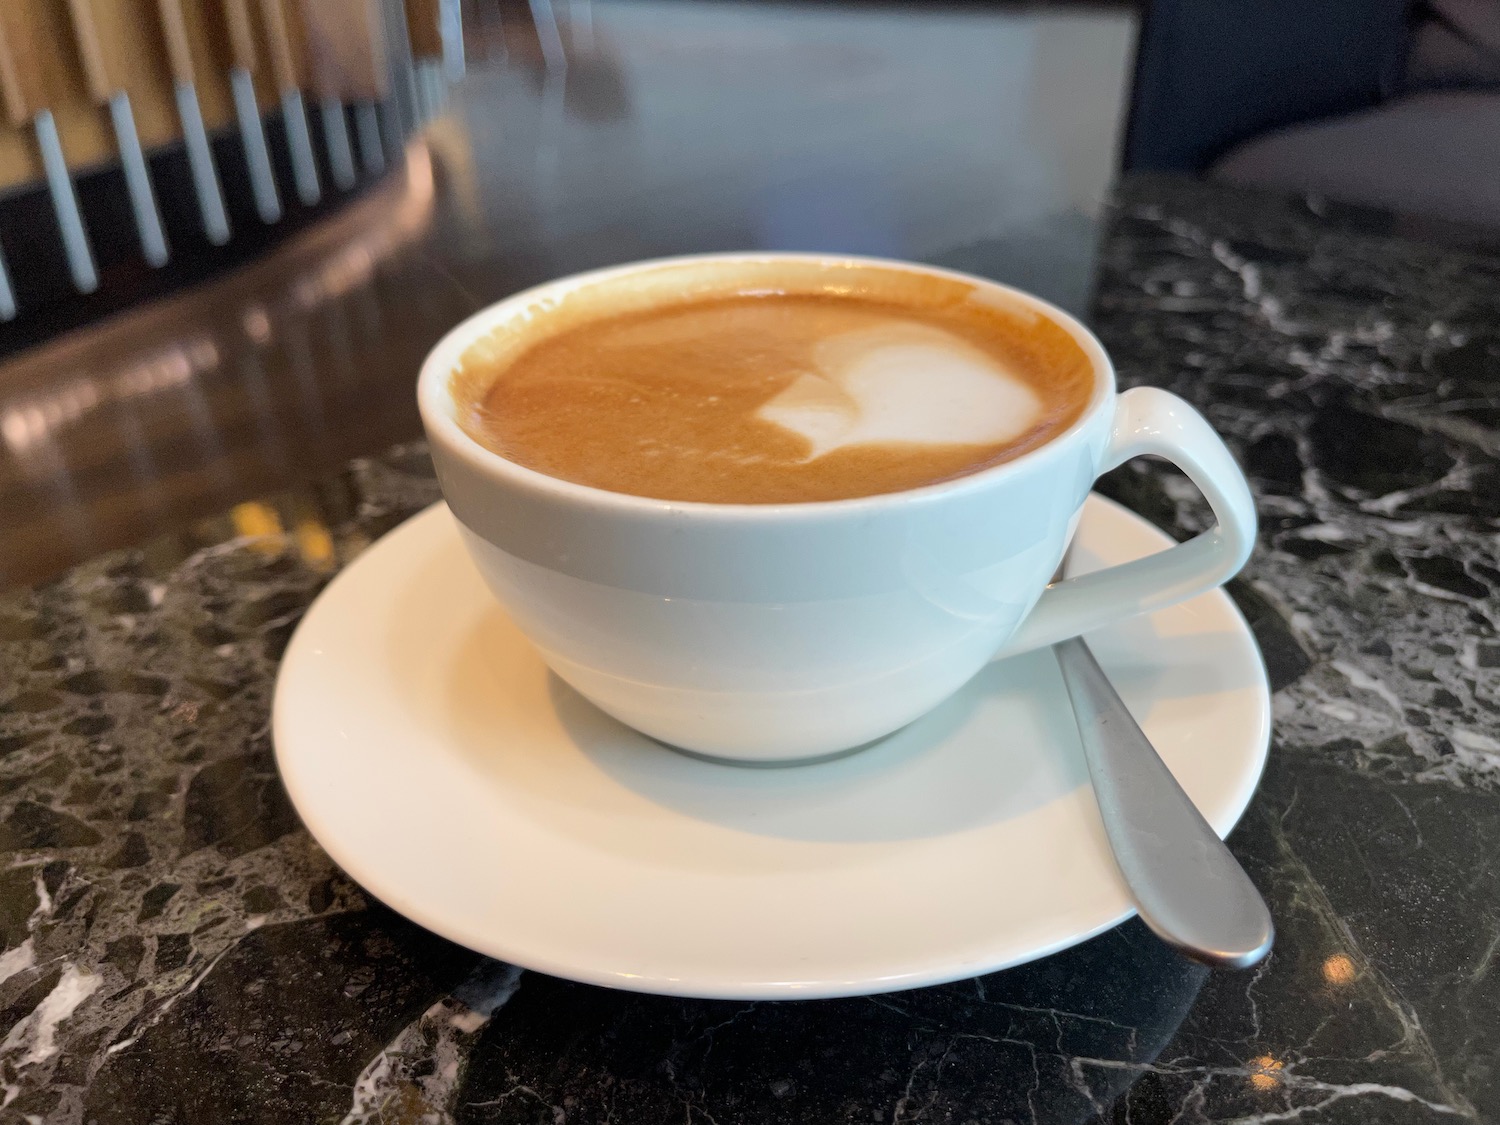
x=1189 y=889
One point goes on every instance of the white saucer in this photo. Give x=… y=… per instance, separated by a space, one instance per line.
x=431 y=753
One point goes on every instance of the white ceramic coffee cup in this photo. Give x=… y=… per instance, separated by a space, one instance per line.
x=772 y=633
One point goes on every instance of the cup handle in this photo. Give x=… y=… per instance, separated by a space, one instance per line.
x=1149 y=421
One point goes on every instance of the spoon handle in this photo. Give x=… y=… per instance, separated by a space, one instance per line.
x=1188 y=887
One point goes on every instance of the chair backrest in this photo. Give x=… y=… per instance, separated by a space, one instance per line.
x=1210 y=73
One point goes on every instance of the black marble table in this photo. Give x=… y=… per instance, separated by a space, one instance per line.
x=177 y=949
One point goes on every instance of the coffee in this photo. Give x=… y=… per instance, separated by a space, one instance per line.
x=778 y=632
x=823 y=385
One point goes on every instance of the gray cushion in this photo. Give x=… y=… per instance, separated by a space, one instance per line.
x=1457 y=43
x=1435 y=154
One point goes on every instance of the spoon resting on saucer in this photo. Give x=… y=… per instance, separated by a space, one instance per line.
x=1188 y=888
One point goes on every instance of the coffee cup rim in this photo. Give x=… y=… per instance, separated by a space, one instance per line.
x=439 y=409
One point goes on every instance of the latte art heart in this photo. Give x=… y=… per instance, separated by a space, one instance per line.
x=903 y=383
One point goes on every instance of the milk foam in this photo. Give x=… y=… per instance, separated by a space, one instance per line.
x=903 y=382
